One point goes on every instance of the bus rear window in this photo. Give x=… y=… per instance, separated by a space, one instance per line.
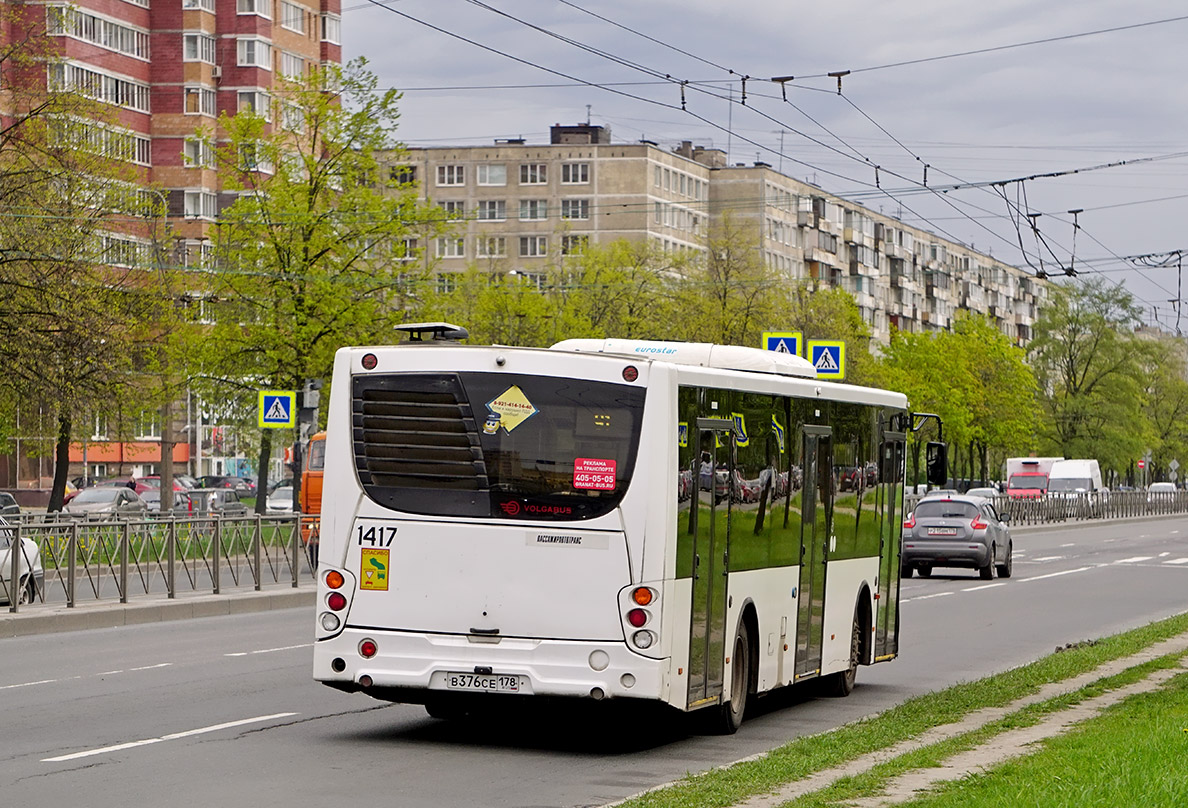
x=509 y=446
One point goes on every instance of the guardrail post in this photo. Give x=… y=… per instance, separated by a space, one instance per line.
x=15 y=551
x=257 y=555
x=125 y=540
x=71 y=560
x=171 y=577
x=216 y=547
x=295 y=538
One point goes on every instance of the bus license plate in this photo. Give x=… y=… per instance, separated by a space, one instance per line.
x=942 y=531
x=483 y=683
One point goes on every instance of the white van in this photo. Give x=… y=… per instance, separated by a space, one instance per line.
x=1075 y=477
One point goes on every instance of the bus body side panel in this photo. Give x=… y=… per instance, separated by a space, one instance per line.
x=769 y=591
x=846 y=578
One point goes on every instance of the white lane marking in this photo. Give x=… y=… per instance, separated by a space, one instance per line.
x=1164 y=555
x=1177 y=561
x=1133 y=560
x=271 y=650
x=1049 y=558
x=1174 y=532
x=1070 y=544
x=39 y=682
x=73 y=678
x=983 y=586
x=1055 y=574
x=926 y=597
x=171 y=737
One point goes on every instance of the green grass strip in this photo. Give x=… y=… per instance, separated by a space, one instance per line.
x=804 y=756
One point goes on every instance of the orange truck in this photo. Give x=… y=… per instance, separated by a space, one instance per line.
x=311 y=491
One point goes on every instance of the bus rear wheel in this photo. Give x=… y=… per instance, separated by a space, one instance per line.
x=730 y=714
x=841 y=684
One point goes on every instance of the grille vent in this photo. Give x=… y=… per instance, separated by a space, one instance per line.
x=416 y=432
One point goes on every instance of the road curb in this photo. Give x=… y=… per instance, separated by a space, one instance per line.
x=51 y=620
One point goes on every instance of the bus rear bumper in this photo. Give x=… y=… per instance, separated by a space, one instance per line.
x=416 y=668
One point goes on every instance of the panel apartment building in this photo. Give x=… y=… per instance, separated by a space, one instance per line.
x=519 y=207
x=167 y=69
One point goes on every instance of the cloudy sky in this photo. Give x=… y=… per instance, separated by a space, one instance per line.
x=1102 y=82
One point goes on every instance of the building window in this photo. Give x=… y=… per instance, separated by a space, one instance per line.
x=575 y=208
x=451 y=247
x=493 y=210
x=96 y=30
x=451 y=175
x=533 y=246
x=446 y=282
x=257 y=102
x=332 y=29
x=198 y=48
x=200 y=101
x=198 y=153
x=200 y=205
x=205 y=5
x=255 y=53
x=100 y=431
x=534 y=174
x=658 y=212
x=491 y=247
x=292 y=66
x=292 y=17
x=571 y=245
x=110 y=89
x=453 y=209
x=492 y=174
x=148 y=425
x=261 y=7
x=533 y=210
x=408 y=249
x=292 y=118
x=575 y=173
x=403 y=175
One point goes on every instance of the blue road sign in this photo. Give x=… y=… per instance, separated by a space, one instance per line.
x=829 y=358
x=782 y=342
x=278 y=408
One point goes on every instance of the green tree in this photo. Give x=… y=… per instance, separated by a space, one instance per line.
x=1088 y=362
x=311 y=255
x=1165 y=393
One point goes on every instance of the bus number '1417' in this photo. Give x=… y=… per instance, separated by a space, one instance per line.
x=376 y=535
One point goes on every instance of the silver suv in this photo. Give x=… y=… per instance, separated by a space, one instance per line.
x=956 y=531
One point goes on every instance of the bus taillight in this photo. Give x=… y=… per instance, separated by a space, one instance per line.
x=643 y=596
x=334 y=579
x=637 y=617
x=336 y=601
x=643 y=639
x=368 y=649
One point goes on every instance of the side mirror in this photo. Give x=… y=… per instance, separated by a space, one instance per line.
x=937 y=461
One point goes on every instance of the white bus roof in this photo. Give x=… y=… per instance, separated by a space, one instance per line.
x=702 y=354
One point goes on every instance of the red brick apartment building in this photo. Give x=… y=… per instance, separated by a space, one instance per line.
x=168 y=68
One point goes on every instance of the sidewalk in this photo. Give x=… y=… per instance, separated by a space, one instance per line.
x=47 y=619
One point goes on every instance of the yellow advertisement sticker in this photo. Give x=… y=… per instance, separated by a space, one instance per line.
x=512 y=407
x=373 y=569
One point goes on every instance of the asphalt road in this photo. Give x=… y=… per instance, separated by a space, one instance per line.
x=223 y=710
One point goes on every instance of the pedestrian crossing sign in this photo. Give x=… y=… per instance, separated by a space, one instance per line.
x=278 y=409
x=829 y=358
x=782 y=342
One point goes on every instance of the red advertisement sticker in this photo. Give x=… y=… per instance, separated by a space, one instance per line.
x=594 y=474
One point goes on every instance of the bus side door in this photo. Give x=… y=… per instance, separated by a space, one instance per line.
x=815 y=526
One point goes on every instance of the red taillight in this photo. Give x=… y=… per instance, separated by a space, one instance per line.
x=630 y=373
x=367 y=649
x=910 y=522
x=369 y=361
x=978 y=524
x=336 y=601
x=637 y=617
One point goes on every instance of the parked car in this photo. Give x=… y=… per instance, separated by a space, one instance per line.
x=281 y=499
x=181 y=502
x=941 y=492
x=956 y=531
x=107 y=502
x=1160 y=492
x=849 y=478
x=8 y=504
x=29 y=569
x=283 y=482
x=153 y=483
x=243 y=486
x=217 y=502
x=988 y=493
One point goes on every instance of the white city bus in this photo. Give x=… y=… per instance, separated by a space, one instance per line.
x=689 y=524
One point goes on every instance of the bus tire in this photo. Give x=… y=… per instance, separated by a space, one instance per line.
x=906 y=571
x=841 y=684
x=445 y=710
x=730 y=714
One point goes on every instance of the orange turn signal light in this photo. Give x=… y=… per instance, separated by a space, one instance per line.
x=642 y=596
x=334 y=579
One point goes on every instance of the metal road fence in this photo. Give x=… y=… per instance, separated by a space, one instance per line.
x=62 y=561
x=1078 y=506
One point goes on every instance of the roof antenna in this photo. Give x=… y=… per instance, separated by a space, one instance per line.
x=587 y=114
